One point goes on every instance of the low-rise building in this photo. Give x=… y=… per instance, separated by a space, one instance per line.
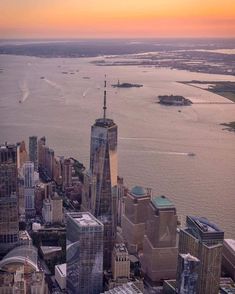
x=60 y=275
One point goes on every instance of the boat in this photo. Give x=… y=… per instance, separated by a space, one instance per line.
x=191 y=154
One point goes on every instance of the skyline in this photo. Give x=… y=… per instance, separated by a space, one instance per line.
x=123 y=19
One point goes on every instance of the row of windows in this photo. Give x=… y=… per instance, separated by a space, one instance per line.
x=8 y=238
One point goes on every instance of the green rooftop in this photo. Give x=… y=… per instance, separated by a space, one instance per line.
x=162 y=202
x=138 y=191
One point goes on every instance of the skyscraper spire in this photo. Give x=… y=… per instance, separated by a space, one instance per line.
x=104 y=107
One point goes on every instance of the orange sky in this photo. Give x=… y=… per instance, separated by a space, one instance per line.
x=116 y=18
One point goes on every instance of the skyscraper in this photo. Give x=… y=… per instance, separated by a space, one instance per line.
x=33 y=151
x=160 y=250
x=9 y=219
x=28 y=172
x=134 y=218
x=67 y=173
x=187 y=274
x=204 y=240
x=84 y=256
x=103 y=167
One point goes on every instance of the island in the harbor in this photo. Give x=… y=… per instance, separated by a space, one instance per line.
x=126 y=85
x=174 y=100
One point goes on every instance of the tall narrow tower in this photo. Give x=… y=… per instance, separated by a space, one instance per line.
x=103 y=167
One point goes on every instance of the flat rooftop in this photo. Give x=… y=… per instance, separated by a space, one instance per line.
x=230 y=243
x=61 y=269
x=105 y=123
x=205 y=225
x=50 y=249
x=85 y=219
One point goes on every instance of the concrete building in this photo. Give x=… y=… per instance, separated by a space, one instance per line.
x=228 y=261
x=159 y=259
x=60 y=275
x=120 y=262
x=57 y=209
x=204 y=240
x=187 y=274
x=39 y=197
x=33 y=151
x=103 y=167
x=67 y=173
x=22 y=155
x=84 y=256
x=41 y=152
x=52 y=210
x=9 y=218
x=57 y=171
x=47 y=211
x=135 y=217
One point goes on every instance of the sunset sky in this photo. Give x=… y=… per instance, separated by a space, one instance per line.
x=116 y=18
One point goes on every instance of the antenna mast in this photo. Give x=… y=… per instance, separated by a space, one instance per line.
x=104 y=107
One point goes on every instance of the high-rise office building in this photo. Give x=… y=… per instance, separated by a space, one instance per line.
x=67 y=173
x=204 y=240
x=120 y=262
x=29 y=186
x=103 y=167
x=187 y=274
x=159 y=259
x=8 y=170
x=134 y=218
x=41 y=152
x=84 y=256
x=9 y=218
x=33 y=151
x=28 y=173
x=22 y=155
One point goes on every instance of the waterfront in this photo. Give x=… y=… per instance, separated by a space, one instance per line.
x=153 y=140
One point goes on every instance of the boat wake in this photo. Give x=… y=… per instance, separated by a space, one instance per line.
x=25 y=91
x=53 y=84
x=85 y=92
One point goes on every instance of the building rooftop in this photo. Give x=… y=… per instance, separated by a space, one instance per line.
x=128 y=288
x=61 y=269
x=105 y=123
x=50 y=249
x=162 y=202
x=84 y=219
x=230 y=243
x=121 y=248
x=21 y=255
x=138 y=191
x=205 y=225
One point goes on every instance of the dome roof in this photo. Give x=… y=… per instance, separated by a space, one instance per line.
x=21 y=254
x=138 y=191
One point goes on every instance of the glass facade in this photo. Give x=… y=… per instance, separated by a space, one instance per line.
x=33 y=150
x=9 y=224
x=103 y=166
x=84 y=256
